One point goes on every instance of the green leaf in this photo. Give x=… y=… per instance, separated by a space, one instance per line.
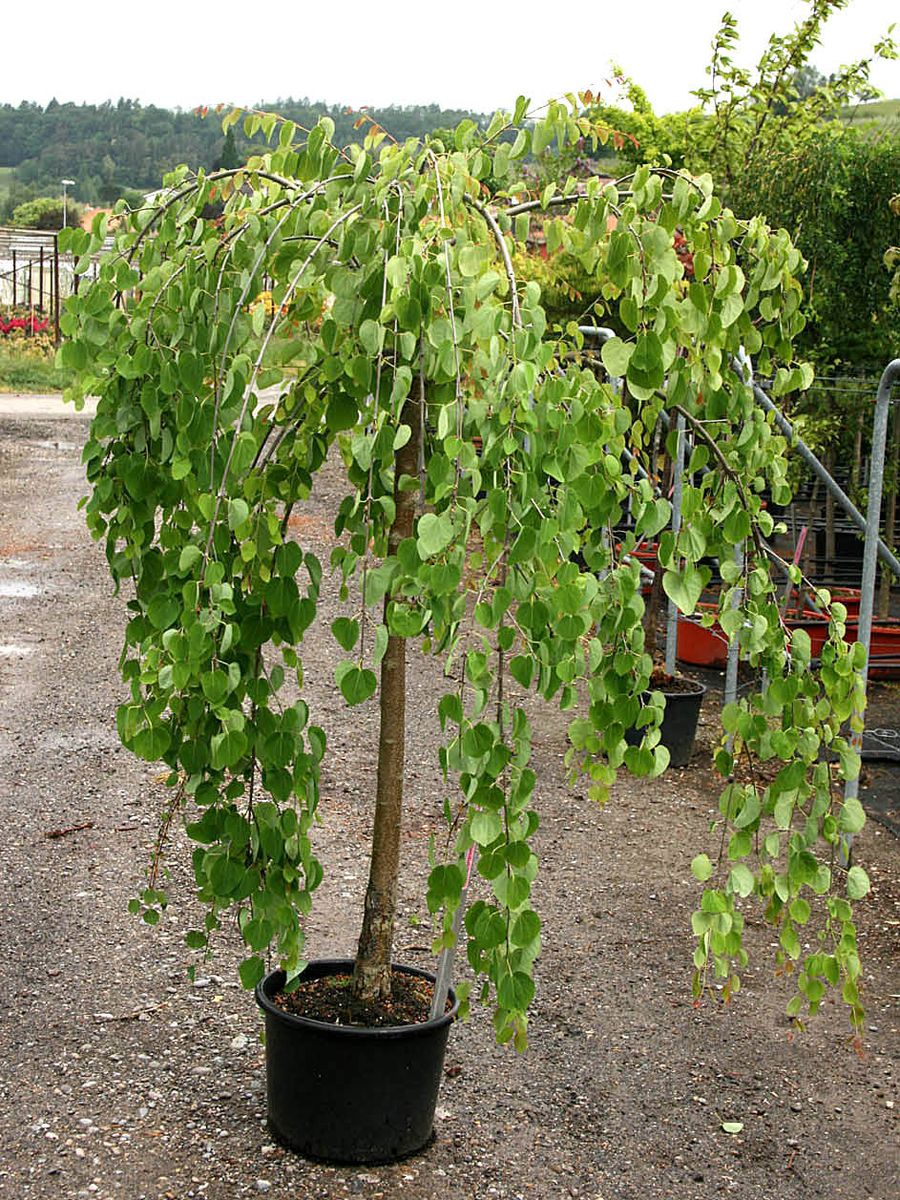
x=444 y=886
x=371 y=334
x=346 y=631
x=251 y=971
x=685 y=587
x=800 y=910
x=526 y=927
x=485 y=827
x=356 y=684
x=470 y=258
x=381 y=643
x=645 y=367
x=702 y=868
x=151 y=743
x=189 y=555
x=522 y=669
x=280 y=747
x=401 y=437
x=244 y=452
x=541 y=137
x=450 y=709
x=163 y=610
x=433 y=533
x=655 y=517
x=238 y=513
x=857 y=883
x=515 y=992
x=742 y=881
x=852 y=817
x=215 y=685
x=342 y=412
x=227 y=749
x=732 y=1126
x=616 y=355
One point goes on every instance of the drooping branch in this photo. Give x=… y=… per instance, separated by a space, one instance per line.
x=727 y=470
x=194 y=186
x=248 y=392
x=504 y=254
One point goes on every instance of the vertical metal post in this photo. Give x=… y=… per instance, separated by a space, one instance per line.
x=731 y=669
x=41 y=280
x=870 y=551
x=677 y=498
x=56 y=288
x=14 y=276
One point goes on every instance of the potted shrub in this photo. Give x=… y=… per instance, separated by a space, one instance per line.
x=372 y=288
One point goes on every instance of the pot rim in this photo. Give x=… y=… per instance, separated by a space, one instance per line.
x=698 y=688
x=273 y=981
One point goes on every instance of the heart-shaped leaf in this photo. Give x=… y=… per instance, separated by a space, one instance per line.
x=433 y=533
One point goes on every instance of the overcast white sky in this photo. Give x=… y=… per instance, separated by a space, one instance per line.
x=464 y=54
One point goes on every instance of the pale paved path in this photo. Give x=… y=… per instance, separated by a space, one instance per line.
x=20 y=404
x=51 y=404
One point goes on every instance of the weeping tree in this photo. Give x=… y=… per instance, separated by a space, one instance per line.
x=360 y=305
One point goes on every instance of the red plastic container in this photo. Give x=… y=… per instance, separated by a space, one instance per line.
x=699 y=646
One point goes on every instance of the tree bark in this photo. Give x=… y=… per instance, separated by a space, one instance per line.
x=372 y=971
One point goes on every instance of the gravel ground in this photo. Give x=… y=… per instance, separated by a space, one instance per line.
x=120 y=1078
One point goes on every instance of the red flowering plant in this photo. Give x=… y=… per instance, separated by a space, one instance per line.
x=24 y=321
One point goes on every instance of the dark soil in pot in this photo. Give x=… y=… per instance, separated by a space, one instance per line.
x=329 y=998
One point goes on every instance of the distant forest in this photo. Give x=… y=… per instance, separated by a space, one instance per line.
x=112 y=148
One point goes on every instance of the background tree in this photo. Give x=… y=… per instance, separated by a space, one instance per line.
x=758 y=116
x=229 y=157
x=46 y=212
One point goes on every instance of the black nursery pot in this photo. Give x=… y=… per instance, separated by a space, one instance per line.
x=679 y=724
x=345 y=1093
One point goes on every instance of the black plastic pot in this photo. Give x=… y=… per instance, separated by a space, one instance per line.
x=679 y=724
x=348 y=1094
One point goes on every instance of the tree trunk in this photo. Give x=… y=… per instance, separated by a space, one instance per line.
x=372 y=971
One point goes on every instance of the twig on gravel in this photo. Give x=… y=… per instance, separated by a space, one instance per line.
x=58 y=833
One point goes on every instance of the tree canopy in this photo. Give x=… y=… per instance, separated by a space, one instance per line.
x=486 y=470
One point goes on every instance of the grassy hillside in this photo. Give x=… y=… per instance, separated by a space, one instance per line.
x=884 y=115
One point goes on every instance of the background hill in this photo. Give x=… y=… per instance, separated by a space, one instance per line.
x=112 y=148
x=882 y=115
